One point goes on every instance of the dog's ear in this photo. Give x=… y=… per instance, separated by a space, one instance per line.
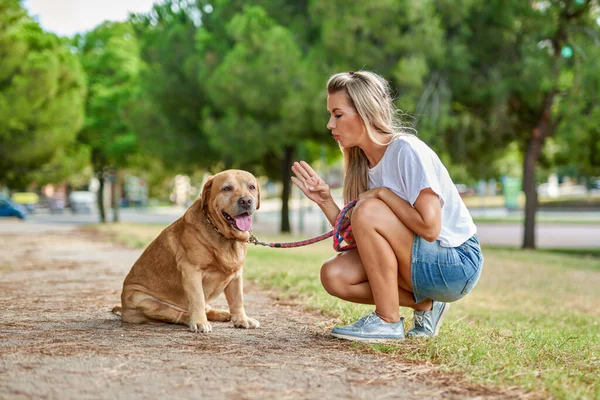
x=258 y=194
x=206 y=193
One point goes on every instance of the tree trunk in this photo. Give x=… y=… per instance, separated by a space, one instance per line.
x=101 y=196
x=543 y=129
x=534 y=149
x=116 y=195
x=286 y=175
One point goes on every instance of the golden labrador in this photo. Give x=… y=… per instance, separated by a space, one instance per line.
x=195 y=259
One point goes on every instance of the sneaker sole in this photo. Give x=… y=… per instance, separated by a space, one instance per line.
x=440 y=319
x=364 y=339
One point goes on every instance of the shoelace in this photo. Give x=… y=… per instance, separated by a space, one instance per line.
x=419 y=320
x=369 y=318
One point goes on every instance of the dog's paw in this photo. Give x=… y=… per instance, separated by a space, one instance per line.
x=218 y=315
x=200 y=327
x=245 y=322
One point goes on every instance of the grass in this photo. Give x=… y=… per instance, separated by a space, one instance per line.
x=539 y=220
x=585 y=201
x=533 y=320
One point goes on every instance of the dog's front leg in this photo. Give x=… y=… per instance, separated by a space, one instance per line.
x=234 y=293
x=192 y=286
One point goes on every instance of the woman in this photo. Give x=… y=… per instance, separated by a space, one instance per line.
x=416 y=242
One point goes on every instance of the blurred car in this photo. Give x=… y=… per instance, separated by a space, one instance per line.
x=82 y=202
x=9 y=208
x=56 y=204
x=29 y=200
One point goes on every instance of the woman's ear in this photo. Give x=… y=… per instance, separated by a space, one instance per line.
x=206 y=193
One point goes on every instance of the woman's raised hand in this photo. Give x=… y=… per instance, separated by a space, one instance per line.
x=310 y=183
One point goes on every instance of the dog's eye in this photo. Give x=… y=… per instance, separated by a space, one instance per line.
x=228 y=188
x=252 y=187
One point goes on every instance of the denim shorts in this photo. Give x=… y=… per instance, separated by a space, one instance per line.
x=444 y=273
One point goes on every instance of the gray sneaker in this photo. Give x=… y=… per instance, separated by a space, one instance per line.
x=427 y=323
x=372 y=329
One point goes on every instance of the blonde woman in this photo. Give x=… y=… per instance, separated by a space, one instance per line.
x=416 y=242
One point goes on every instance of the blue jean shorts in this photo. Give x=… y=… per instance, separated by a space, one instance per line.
x=444 y=273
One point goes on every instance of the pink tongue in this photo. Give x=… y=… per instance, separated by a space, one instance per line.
x=243 y=222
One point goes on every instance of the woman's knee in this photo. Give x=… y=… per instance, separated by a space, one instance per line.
x=367 y=211
x=332 y=277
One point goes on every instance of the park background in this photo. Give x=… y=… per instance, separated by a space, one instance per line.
x=126 y=120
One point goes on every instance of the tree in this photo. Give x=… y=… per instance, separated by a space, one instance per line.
x=535 y=102
x=578 y=133
x=506 y=80
x=259 y=105
x=110 y=57
x=42 y=90
x=168 y=115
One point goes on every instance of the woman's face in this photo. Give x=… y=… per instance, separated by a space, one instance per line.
x=345 y=123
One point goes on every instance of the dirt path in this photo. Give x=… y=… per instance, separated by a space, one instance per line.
x=58 y=338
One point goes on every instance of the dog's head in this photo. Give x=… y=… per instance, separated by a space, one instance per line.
x=229 y=199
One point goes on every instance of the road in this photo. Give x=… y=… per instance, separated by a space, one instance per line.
x=310 y=222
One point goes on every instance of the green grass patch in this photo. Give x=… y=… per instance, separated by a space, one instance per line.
x=539 y=220
x=532 y=321
x=588 y=202
x=577 y=260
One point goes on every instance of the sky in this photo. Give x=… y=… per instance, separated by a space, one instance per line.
x=68 y=17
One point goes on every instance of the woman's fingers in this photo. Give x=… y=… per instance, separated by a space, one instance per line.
x=297 y=182
x=301 y=185
x=321 y=187
x=311 y=172
x=301 y=171
x=313 y=192
x=308 y=181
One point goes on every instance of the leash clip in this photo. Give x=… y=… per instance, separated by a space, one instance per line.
x=252 y=239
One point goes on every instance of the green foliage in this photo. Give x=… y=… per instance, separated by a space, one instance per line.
x=70 y=163
x=255 y=111
x=168 y=115
x=110 y=57
x=502 y=82
x=235 y=83
x=578 y=134
x=42 y=90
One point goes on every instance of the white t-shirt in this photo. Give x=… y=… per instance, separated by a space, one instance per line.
x=409 y=166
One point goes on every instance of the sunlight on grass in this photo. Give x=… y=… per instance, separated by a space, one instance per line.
x=533 y=320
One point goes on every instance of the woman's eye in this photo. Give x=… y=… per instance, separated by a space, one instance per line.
x=252 y=187
x=338 y=116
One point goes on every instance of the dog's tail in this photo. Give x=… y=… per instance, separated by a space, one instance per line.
x=117 y=311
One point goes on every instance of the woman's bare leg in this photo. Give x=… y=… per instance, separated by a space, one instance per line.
x=345 y=275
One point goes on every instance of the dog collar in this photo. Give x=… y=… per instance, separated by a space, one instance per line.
x=252 y=238
x=212 y=224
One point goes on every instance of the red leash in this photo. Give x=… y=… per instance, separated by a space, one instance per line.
x=341 y=231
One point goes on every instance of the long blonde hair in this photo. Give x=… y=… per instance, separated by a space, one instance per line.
x=370 y=95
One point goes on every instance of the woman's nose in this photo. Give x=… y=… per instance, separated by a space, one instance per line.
x=330 y=124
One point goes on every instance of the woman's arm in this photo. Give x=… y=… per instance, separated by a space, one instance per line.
x=425 y=219
x=315 y=188
x=331 y=210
